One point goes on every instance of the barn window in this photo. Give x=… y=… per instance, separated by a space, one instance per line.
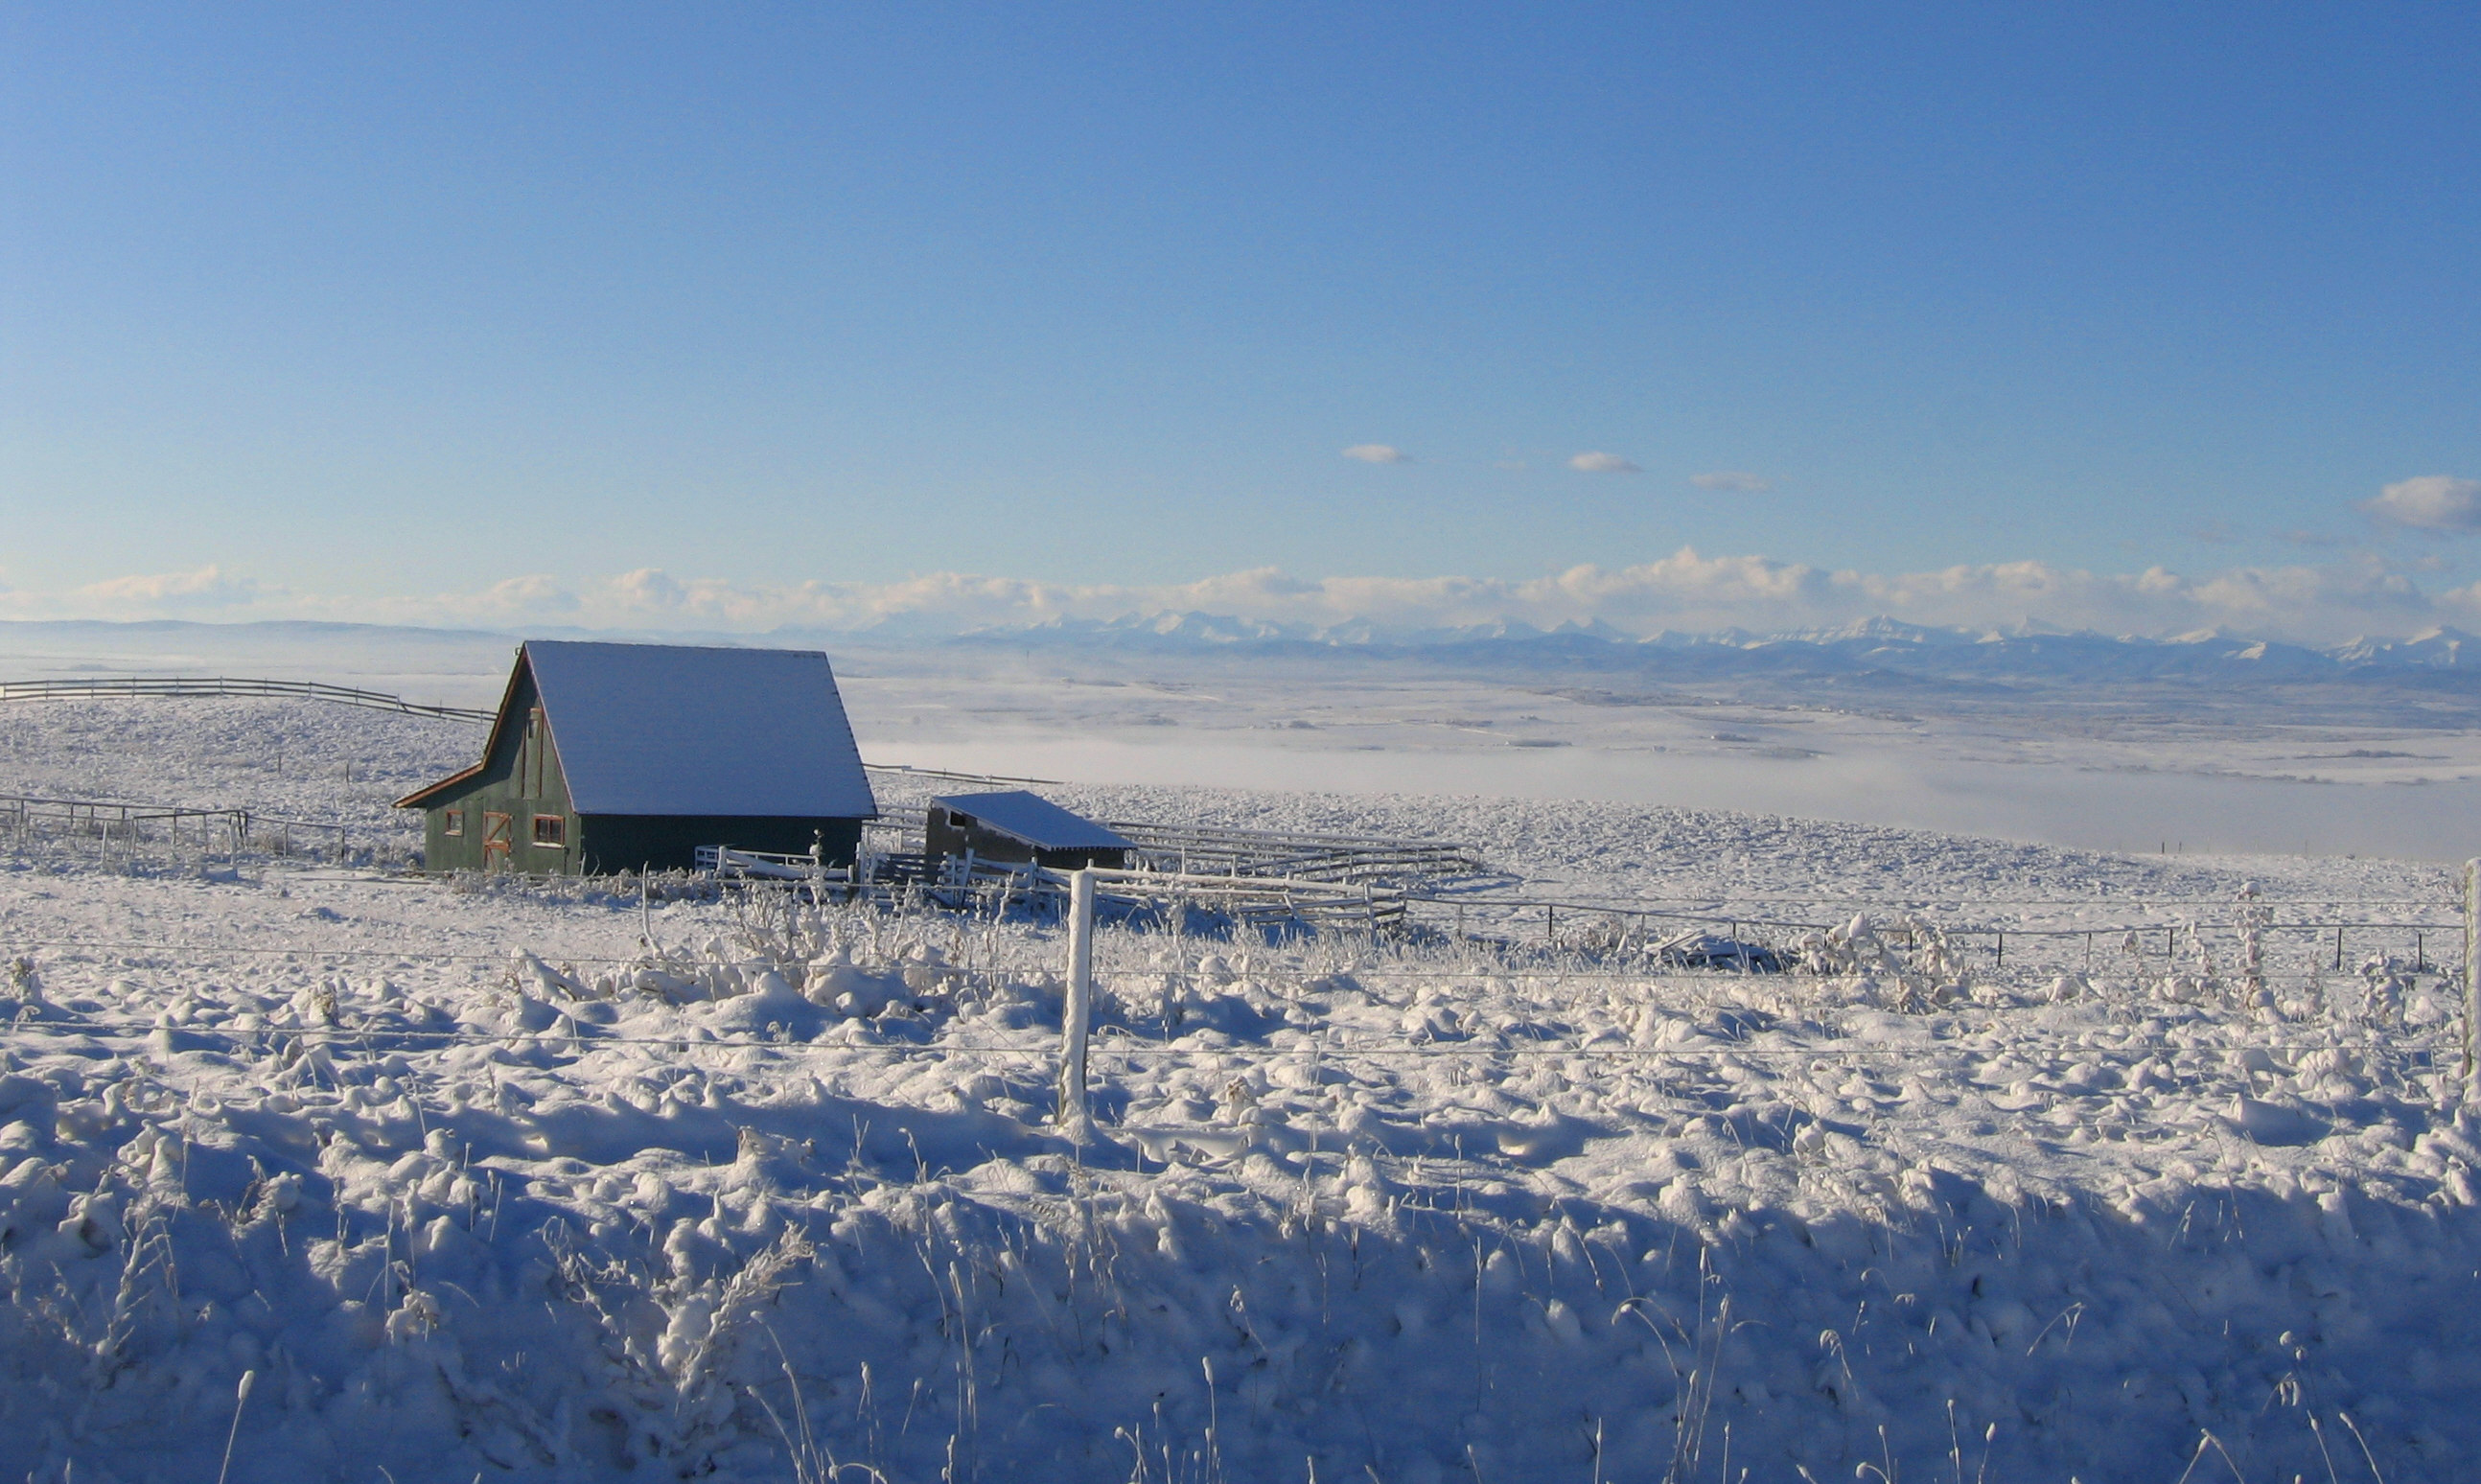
x=452 y=821
x=535 y=755
x=551 y=830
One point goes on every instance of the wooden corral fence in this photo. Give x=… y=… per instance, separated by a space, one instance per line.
x=117 y=825
x=1351 y=860
x=1256 y=878
x=770 y=866
x=943 y=775
x=1249 y=901
x=1198 y=851
x=105 y=688
x=2136 y=935
x=25 y=819
x=993 y=886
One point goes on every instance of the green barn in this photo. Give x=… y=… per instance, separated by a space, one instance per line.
x=629 y=757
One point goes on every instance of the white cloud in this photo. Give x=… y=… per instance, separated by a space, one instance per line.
x=2430 y=501
x=1686 y=591
x=2462 y=606
x=1378 y=454
x=1603 y=463
x=205 y=588
x=1737 y=481
x=532 y=595
x=652 y=590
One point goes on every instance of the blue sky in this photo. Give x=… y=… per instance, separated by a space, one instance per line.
x=328 y=309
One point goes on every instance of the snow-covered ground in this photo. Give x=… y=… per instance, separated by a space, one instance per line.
x=482 y=1179
x=486 y=1178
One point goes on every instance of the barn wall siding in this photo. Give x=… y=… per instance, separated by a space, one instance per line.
x=521 y=778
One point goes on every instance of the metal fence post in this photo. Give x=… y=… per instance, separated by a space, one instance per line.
x=1079 y=1011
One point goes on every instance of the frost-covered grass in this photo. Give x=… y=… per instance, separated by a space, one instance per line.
x=482 y=1176
x=779 y=1193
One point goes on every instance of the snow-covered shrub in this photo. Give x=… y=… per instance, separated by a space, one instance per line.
x=1909 y=966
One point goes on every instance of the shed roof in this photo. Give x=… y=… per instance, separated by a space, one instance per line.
x=678 y=729
x=1035 y=820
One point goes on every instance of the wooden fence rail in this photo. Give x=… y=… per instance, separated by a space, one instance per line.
x=106 y=688
x=210 y=831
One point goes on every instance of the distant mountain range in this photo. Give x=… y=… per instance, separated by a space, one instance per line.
x=1871 y=654
x=1882 y=647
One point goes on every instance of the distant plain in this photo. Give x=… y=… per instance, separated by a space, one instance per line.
x=2373 y=763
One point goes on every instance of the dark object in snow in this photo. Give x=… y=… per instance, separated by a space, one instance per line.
x=629 y=757
x=1016 y=828
x=1705 y=951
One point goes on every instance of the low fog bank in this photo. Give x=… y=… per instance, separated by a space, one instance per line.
x=2061 y=805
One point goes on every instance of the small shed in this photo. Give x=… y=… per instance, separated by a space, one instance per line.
x=629 y=757
x=1016 y=828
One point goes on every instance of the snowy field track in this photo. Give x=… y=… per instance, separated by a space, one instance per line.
x=550 y=1181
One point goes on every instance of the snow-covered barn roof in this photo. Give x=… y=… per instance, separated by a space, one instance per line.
x=677 y=729
x=1035 y=820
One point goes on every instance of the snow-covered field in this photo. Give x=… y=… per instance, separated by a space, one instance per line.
x=319 y=763
x=489 y=1180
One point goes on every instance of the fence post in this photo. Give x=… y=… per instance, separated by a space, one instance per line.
x=1079 y=1011
x=2471 y=961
